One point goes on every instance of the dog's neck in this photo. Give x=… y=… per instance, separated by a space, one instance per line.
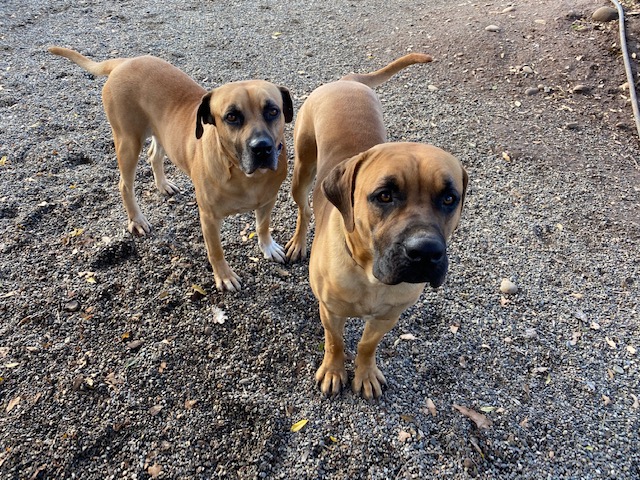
x=346 y=247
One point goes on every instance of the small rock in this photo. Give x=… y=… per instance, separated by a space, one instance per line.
x=581 y=88
x=134 y=345
x=530 y=333
x=508 y=287
x=509 y=9
x=527 y=69
x=531 y=91
x=571 y=126
x=72 y=306
x=208 y=330
x=492 y=28
x=77 y=383
x=432 y=88
x=605 y=14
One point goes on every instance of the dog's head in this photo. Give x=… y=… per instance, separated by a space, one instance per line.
x=249 y=117
x=400 y=203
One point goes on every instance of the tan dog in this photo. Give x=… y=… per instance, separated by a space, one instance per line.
x=383 y=213
x=237 y=163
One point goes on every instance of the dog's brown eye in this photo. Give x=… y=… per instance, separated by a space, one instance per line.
x=273 y=112
x=231 y=118
x=385 y=197
x=449 y=200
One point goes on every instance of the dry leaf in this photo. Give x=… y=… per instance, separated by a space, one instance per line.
x=606 y=400
x=4 y=351
x=189 y=404
x=155 y=410
x=506 y=156
x=488 y=409
x=454 y=328
x=408 y=418
x=525 y=423
x=296 y=427
x=611 y=343
x=403 y=436
x=539 y=370
x=631 y=350
x=11 y=365
x=219 y=316
x=197 y=288
x=481 y=421
x=154 y=470
x=407 y=336
x=636 y=404
x=162 y=367
x=574 y=338
x=13 y=403
x=432 y=407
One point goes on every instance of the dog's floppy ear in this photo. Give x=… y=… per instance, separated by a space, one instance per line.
x=204 y=115
x=287 y=104
x=465 y=182
x=339 y=186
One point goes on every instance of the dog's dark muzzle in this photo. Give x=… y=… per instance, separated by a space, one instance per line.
x=261 y=153
x=419 y=258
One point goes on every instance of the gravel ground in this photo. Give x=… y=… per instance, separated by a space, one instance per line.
x=113 y=366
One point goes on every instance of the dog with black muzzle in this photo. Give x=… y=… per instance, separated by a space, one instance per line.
x=383 y=211
x=230 y=141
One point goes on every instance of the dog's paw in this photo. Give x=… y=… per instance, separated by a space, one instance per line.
x=331 y=379
x=139 y=226
x=229 y=282
x=368 y=382
x=296 y=250
x=168 y=188
x=273 y=251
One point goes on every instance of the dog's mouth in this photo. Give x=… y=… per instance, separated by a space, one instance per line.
x=416 y=259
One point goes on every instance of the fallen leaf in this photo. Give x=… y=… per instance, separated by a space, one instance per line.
x=594 y=326
x=76 y=232
x=333 y=439
x=219 y=316
x=407 y=336
x=431 y=407
x=488 y=409
x=631 y=349
x=481 y=421
x=606 y=400
x=403 y=436
x=506 y=156
x=189 y=404
x=154 y=470
x=155 y=410
x=162 y=367
x=611 y=343
x=296 y=427
x=11 y=365
x=408 y=418
x=636 y=404
x=251 y=235
x=525 y=423
x=3 y=161
x=125 y=336
x=197 y=288
x=13 y=403
x=539 y=370
x=454 y=328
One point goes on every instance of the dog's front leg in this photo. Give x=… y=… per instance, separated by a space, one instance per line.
x=332 y=375
x=368 y=378
x=269 y=248
x=225 y=278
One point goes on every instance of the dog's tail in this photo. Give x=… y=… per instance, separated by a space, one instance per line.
x=95 y=68
x=377 y=78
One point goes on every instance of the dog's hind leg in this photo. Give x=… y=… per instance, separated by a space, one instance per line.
x=128 y=150
x=304 y=171
x=269 y=248
x=156 y=159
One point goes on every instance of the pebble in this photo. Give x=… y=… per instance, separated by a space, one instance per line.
x=509 y=9
x=72 y=306
x=605 y=14
x=432 y=88
x=527 y=69
x=492 y=28
x=572 y=126
x=134 y=345
x=508 y=287
x=531 y=91
x=580 y=88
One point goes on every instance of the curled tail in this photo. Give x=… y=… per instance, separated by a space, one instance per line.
x=378 y=77
x=95 y=68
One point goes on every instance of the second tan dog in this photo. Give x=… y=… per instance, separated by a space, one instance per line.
x=383 y=211
x=230 y=141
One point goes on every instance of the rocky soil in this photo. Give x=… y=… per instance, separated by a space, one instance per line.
x=119 y=359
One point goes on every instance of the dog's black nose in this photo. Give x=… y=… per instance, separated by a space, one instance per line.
x=425 y=249
x=261 y=146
